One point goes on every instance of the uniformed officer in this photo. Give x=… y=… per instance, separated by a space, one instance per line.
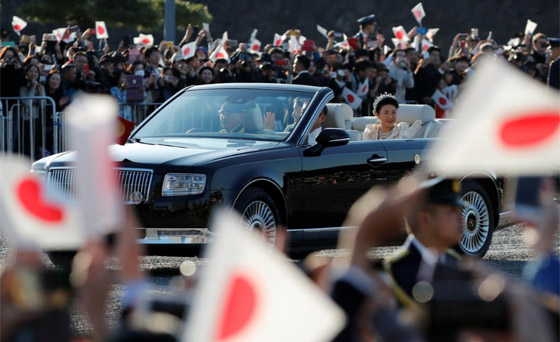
x=367 y=28
x=433 y=226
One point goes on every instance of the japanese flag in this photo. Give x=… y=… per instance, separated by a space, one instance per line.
x=249 y=292
x=294 y=45
x=255 y=45
x=530 y=27
x=59 y=33
x=253 y=35
x=504 y=122
x=277 y=39
x=363 y=89
x=399 y=44
x=188 y=50
x=35 y=215
x=18 y=24
x=144 y=39
x=431 y=33
x=418 y=12
x=400 y=34
x=93 y=128
x=220 y=52
x=351 y=98
x=101 y=30
x=322 y=31
x=426 y=45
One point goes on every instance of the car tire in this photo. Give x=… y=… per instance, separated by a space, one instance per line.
x=259 y=212
x=478 y=219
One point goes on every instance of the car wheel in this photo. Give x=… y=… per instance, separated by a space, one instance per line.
x=478 y=219
x=259 y=212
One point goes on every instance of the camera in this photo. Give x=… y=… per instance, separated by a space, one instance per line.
x=9 y=60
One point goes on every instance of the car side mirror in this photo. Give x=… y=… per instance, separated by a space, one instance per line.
x=328 y=137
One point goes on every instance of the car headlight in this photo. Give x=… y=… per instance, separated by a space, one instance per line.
x=179 y=184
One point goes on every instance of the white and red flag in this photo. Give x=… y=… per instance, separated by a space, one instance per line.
x=255 y=45
x=92 y=121
x=63 y=34
x=363 y=88
x=322 y=31
x=277 y=40
x=400 y=34
x=219 y=53
x=351 y=98
x=36 y=215
x=144 y=39
x=426 y=44
x=188 y=50
x=418 y=12
x=504 y=122
x=250 y=292
x=399 y=44
x=431 y=33
x=18 y=24
x=101 y=30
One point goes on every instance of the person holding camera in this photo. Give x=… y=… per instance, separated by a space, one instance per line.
x=400 y=71
x=12 y=76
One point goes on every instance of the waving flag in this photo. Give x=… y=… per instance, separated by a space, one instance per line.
x=426 y=44
x=219 y=53
x=431 y=33
x=322 y=31
x=144 y=39
x=400 y=34
x=101 y=30
x=188 y=50
x=249 y=292
x=363 y=88
x=277 y=40
x=530 y=27
x=399 y=44
x=255 y=45
x=418 y=12
x=253 y=35
x=504 y=122
x=92 y=125
x=18 y=24
x=36 y=215
x=351 y=98
x=124 y=128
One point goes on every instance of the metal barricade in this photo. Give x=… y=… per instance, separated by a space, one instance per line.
x=31 y=125
x=27 y=125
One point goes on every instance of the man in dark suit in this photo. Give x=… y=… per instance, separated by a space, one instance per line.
x=301 y=66
x=554 y=68
x=434 y=226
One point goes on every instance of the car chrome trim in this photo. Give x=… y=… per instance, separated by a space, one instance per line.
x=321 y=230
x=131 y=180
x=158 y=236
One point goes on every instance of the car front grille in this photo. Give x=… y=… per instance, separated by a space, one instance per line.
x=132 y=181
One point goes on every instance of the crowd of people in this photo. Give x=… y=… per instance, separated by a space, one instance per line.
x=411 y=71
x=424 y=292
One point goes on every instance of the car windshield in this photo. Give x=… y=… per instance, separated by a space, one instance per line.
x=229 y=113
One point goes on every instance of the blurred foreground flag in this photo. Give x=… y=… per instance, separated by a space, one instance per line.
x=93 y=128
x=505 y=122
x=35 y=215
x=251 y=293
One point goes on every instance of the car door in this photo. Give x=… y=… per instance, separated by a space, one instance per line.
x=334 y=180
x=402 y=156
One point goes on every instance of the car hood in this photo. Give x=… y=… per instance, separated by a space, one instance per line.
x=176 y=151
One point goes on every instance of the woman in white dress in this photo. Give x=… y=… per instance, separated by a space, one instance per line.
x=385 y=109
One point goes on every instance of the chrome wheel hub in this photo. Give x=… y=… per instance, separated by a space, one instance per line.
x=259 y=217
x=476 y=222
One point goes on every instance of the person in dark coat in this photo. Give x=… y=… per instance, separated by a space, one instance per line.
x=434 y=227
x=553 y=80
x=301 y=66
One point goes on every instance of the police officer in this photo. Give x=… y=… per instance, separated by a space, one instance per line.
x=433 y=226
x=367 y=29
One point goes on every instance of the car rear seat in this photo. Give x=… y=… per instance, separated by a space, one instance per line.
x=340 y=115
x=406 y=113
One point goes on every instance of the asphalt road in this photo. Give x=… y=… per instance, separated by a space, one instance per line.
x=508 y=254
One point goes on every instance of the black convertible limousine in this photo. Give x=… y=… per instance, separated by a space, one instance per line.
x=191 y=156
